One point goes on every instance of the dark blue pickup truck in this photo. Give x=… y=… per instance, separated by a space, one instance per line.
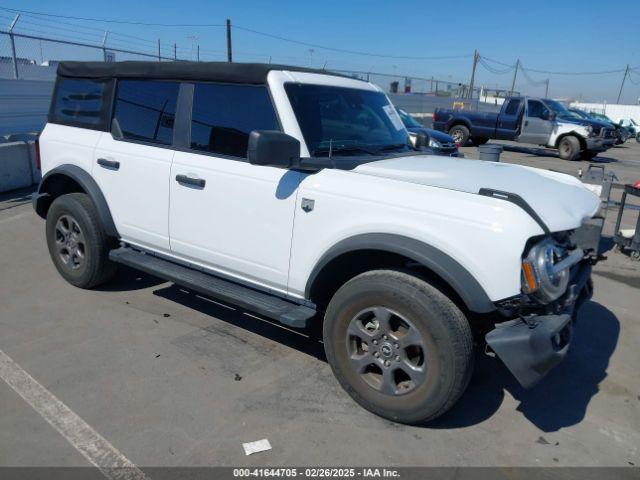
x=536 y=121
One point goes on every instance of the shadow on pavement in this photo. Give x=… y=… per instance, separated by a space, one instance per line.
x=560 y=399
x=547 y=152
x=128 y=279
x=266 y=328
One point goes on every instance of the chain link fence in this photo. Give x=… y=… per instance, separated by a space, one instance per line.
x=29 y=56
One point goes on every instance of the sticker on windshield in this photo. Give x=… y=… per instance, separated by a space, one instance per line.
x=393 y=116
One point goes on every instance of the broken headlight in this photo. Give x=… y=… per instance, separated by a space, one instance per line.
x=546 y=270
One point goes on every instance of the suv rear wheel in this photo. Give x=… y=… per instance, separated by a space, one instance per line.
x=398 y=346
x=77 y=242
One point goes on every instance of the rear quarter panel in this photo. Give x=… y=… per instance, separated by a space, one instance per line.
x=61 y=144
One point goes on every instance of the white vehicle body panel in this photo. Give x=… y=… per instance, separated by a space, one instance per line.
x=64 y=145
x=560 y=128
x=138 y=191
x=240 y=223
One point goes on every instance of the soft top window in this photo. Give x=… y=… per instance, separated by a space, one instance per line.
x=80 y=102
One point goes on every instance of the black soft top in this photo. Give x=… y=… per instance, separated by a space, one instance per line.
x=254 y=73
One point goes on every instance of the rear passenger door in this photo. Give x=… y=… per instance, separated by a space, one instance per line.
x=509 y=120
x=226 y=214
x=133 y=162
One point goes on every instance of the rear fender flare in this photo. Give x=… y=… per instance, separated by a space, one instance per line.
x=43 y=198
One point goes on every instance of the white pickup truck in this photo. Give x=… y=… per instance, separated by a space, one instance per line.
x=296 y=194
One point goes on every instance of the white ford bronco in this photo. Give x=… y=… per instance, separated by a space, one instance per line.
x=296 y=194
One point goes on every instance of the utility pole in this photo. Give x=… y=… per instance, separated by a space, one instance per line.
x=13 y=47
x=229 y=56
x=473 y=72
x=515 y=74
x=198 y=54
x=175 y=51
x=546 y=90
x=159 y=55
x=104 y=46
x=626 y=72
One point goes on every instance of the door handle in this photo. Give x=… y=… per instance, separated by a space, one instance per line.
x=197 y=182
x=112 y=164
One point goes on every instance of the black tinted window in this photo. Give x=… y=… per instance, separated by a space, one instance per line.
x=512 y=107
x=224 y=115
x=145 y=110
x=79 y=101
x=536 y=109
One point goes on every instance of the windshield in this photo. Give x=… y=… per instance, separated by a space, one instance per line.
x=346 y=121
x=558 y=108
x=408 y=120
x=580 y=114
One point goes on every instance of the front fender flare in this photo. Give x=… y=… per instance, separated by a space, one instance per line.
x=42 y=198
x=452 y=272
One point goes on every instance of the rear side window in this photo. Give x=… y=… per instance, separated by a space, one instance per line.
x=145 y=110
x=512 y=107
x=224 y=115
x=80 y=102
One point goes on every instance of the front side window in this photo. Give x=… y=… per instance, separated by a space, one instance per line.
x=344 y=121
x=536 y=109
x=145 y=110
x=79 y=101
x=224 y=115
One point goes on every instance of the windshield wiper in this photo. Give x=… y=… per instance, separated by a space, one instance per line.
x=343 y=149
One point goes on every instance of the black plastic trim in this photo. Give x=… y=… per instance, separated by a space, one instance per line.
x=452 y=272
x=272 y=306
x=88 y=184
x=516 y=200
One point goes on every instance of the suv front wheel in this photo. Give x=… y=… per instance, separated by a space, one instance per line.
x=398 y=346
x=77 y=242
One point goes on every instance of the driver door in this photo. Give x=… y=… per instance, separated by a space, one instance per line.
x=536 y=123
x=225 y=214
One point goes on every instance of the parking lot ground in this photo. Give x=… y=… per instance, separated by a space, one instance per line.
x=167 y=377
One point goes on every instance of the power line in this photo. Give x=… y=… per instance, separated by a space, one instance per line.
x=110 y=20
x=492 y=69
x=352 y=52
x=482 y=59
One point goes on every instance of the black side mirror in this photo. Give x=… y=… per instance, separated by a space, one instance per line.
x=422 y=141
x=272 y=148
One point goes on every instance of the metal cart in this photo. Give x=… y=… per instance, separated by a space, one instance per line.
x=628 y=238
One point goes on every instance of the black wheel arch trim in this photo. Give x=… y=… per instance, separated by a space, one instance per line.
x=452 y=272
x=41 y=199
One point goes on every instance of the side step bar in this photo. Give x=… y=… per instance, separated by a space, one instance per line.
x=289 y=313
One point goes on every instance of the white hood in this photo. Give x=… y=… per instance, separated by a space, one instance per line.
x=561 y=201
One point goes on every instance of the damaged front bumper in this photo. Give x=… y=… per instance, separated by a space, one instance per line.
x=530 y=346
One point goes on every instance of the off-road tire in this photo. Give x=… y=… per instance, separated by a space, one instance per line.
x=95 y=268
x=569 y=148
x=460 y=134
x=448 y=352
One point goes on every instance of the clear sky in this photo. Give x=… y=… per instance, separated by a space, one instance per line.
x=569 y=36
